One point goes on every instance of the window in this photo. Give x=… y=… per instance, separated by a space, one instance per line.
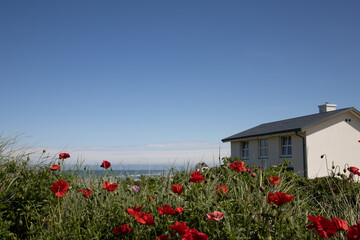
x=263 y=147
x=286 y=149
x=245 y=150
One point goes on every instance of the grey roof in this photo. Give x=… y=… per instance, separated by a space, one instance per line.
x=288 y=125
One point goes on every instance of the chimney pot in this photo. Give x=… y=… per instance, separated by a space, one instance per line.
x=327 y=107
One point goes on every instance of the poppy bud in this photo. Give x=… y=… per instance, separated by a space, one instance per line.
x=344 y=170
x=322 y=156
x=44 y=150
x=27 y=208
x=253 y=174
x=262 y=188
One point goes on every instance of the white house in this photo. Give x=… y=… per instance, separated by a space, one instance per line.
x=303 y=140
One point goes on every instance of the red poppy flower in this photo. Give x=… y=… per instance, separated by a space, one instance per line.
x=137 y=209
x=179 y=210
x=105 y=164
x=166 y=210
x=55 y=167
x=177 y=188
x=340 y=224
x=214 y=216
x=221 y=189
x=163 y=237
x=60 y=188
x=196 y=177
x=237 y=166
x=179 y=227
x=64 y=155
x=324 y=227
x=279 y=198
x=134 y=213
x=354 y=232
x=193 y=234
x=146 y=219
x=87 y=192
x=110 y=186
x=123 y=229
x=149 y=198
x=354 y=170
x=274 y=180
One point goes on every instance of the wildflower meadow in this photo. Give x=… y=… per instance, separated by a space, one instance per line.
x=40 y=200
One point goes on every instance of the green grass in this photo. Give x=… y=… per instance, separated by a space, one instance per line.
x=29 y=210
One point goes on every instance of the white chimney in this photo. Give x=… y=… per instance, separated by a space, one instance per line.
x=327 y=107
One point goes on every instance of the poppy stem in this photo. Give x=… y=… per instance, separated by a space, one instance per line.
x=59 y=209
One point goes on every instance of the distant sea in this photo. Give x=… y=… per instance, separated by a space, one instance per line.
x=133 y=171
x=134 y=174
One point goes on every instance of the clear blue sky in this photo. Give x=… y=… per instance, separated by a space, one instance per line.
x=133 y=73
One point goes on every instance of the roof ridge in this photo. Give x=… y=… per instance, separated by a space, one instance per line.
x=288 y=125
x=314 y=114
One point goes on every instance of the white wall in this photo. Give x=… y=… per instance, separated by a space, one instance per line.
x=235 y=149
x=337 y=139
x=274 y=144
x=296 y=157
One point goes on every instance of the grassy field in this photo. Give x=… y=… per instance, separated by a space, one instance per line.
x=232 y=201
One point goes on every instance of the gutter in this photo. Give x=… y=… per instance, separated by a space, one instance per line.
x=229 y=139
x=304 y=155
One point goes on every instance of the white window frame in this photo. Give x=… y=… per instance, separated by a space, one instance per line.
x=263 y=148
x=245 y=150
x=286 y=146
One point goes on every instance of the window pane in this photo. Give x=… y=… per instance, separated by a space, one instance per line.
x=289 y=141
x=289 y=151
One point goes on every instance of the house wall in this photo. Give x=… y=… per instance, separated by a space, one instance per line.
x=235 y=149
x=274 y=152
x=336 y=138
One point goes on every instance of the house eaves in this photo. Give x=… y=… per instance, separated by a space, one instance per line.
x=261 y=135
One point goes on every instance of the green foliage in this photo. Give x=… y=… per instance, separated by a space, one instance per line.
x=29 y=210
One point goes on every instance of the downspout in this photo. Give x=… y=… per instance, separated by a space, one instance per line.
x=304 y=155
